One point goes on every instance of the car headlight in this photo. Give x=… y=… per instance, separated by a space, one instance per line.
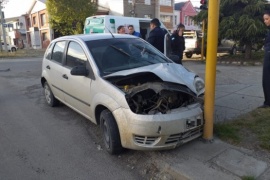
x=199 y=85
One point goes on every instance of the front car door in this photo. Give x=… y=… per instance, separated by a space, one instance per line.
x=76 y=88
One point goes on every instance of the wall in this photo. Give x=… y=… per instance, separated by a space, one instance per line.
x=188 y=11
x=116 y=6
x=140 y=9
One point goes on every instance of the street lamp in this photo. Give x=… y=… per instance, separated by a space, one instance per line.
x=2 y=23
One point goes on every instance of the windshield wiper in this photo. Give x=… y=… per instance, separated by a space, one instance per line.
x=120 y=50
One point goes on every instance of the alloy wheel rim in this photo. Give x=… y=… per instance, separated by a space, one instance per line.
x=106 y=135
x=47 y=94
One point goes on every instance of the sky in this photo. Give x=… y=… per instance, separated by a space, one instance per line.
x=15 y=8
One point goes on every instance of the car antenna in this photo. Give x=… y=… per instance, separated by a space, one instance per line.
x=109 y=31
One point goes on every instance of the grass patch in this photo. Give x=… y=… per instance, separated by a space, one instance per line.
x=256 y=57
x=250 y=129
x=248 y=178
x=23 y=53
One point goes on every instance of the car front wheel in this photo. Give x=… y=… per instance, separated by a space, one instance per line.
x=51 y=100
x=110 y=132
x=13 y=49
x=188 y=55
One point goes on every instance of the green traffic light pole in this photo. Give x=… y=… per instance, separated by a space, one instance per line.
x=210 y=69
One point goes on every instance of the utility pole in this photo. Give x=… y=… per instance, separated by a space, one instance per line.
x=3 y=28
x=210 y=69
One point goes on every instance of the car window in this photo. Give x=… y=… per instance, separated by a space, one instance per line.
x=112 y=55
x=48 y=52
x=58 y=50
x=75 y=55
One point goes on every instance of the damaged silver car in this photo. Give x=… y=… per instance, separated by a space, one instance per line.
x=140 y=98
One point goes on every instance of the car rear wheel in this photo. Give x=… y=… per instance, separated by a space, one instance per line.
x=110 y=132
x=188 y=55
x=51 y=100
x=13 y=49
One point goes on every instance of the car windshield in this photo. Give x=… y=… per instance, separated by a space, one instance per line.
x=112 y=55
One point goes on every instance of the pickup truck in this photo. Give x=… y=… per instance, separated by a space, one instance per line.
x=193 y=41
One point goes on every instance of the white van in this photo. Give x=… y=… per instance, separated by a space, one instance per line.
x=108 y=23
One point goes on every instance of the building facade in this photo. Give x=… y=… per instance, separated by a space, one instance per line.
x=161 y=9
x=15 y=30
x=184 y=11
x=38 y=31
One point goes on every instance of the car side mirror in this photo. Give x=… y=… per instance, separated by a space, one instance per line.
x=79 y=71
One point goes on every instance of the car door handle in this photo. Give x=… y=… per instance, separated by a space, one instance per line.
x=48 y=67
x=65 y=76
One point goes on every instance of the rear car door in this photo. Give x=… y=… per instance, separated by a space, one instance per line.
x=54 y=68
x=76 y=88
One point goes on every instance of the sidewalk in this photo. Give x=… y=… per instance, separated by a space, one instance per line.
x=238 y=90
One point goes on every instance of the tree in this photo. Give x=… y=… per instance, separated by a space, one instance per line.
x=241 y=21
x=67 y=16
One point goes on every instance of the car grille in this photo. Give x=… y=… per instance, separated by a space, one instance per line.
x=145 y=140
x=182 y=136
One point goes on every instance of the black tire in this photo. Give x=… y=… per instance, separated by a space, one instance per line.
x=188 y=55
x=233 y=51
x=111 y=136
x=13 y=49
x=50 y=99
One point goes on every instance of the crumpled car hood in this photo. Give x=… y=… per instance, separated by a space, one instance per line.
x=169 y=72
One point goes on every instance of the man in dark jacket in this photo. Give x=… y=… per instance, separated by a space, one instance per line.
x=178 y=42
x=156 y=35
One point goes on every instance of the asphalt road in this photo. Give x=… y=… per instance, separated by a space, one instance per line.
x=40 y=142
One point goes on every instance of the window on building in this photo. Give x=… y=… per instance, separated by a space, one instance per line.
x=148 y=16
x=44 y=36
x=186 y=21
x=34 y=20
x=165 y=2
x=147 y=2
x=43 y=19
x=28 y=22
x=166 y=18
x=175 y=20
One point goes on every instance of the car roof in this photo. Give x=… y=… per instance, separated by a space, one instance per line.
x=91 y=37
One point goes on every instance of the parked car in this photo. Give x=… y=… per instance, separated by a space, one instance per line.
x=11 y=47
x=193 y=41
x=141 y=99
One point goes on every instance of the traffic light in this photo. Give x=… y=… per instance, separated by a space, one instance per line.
x=203 y=5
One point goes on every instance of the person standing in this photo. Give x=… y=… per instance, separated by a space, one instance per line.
x=178 y=42
x=266 y=63
x=121 y=30
x=156 y=35
x=133 y=32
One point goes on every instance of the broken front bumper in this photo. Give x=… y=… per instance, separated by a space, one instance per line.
x=159 y=131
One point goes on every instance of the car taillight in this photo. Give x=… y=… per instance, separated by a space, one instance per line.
x=196 y=44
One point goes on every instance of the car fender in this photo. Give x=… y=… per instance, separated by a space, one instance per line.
x=111 y=104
